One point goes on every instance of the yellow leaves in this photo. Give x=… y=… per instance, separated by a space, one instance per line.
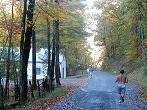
x=29 y=23
x=53 y=11
x=78 y=12
x=131 y=51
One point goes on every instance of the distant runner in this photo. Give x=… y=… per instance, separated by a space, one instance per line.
x=121 y=80
x=90 y=70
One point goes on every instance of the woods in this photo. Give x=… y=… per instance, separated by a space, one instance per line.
x=121 y=29
x=58 y=30
x=52 y=25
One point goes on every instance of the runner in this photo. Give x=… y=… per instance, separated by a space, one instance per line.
x=121 y=80
x=89 y=70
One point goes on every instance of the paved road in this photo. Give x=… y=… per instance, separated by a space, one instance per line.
x=99 y=94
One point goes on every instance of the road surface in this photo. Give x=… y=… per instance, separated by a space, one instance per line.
x=100 y=93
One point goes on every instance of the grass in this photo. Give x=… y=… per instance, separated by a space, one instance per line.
x=84 y=76
x=136 y=76
x=45 y=98
x=79 y=74
x=82 y=72
x=19 y=108
x=139 y=77
x=136 y=71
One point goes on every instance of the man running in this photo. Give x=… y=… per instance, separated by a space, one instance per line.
x=121 y=80
x=89 y=70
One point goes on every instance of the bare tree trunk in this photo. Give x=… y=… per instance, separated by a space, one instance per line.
x=6 y=95
x=33 y=59
x=49 y=55
x=1 y=87
x=22 y=33
x=1 y=96
x=8 y=71
x=53 y=56
x=141 y=28
x=26 y=50
x=57 y=68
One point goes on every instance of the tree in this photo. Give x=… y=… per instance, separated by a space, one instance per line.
x=53 y=56
x=6 y=93
x=33 y=59
x=23 y=29
x=49 y=53
x=56 y=13
x=121 y=29
x=57 y=68
x=73 y=34
x=1 y=95
x=26 y=50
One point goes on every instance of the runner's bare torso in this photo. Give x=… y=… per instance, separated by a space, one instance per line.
x=121 y=79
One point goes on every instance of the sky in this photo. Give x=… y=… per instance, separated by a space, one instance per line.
x=91 y=23
x=91 y=27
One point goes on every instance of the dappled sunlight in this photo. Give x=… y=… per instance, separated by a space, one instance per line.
x=73 y=54
x=96 y=51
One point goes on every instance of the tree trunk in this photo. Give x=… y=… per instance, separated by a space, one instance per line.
x=49 y=55
x=141 y=28
x=8 y=71
x=33 y=59
x=6 y=95
x=53 y=56
x=22 y=33
x=26 y=50
x=1 y=96
x=56 y=49
x=57 y=68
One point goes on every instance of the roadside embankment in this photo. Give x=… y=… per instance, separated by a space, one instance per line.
x=136 y=71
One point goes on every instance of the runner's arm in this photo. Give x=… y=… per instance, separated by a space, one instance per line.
x=116 y=79
x=126 y=81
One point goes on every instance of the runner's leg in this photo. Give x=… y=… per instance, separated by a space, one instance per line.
x=119 y=94
x=90 y=74
x=123 y=94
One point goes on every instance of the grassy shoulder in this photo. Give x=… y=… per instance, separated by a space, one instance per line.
x=79 y=74
x=136 y=72
x=48 y=100
x=44 y=99
x=139 y=77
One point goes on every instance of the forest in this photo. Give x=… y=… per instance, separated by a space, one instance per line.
x=55 y=25
x=59 y=26
x=121 y=29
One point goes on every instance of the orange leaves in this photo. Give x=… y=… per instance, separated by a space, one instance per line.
x=53 y=11
x=51 y=102
x=9 y=25
x=29 y=23
x=69 y=90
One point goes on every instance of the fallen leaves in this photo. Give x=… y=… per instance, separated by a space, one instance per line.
x=69 y=90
